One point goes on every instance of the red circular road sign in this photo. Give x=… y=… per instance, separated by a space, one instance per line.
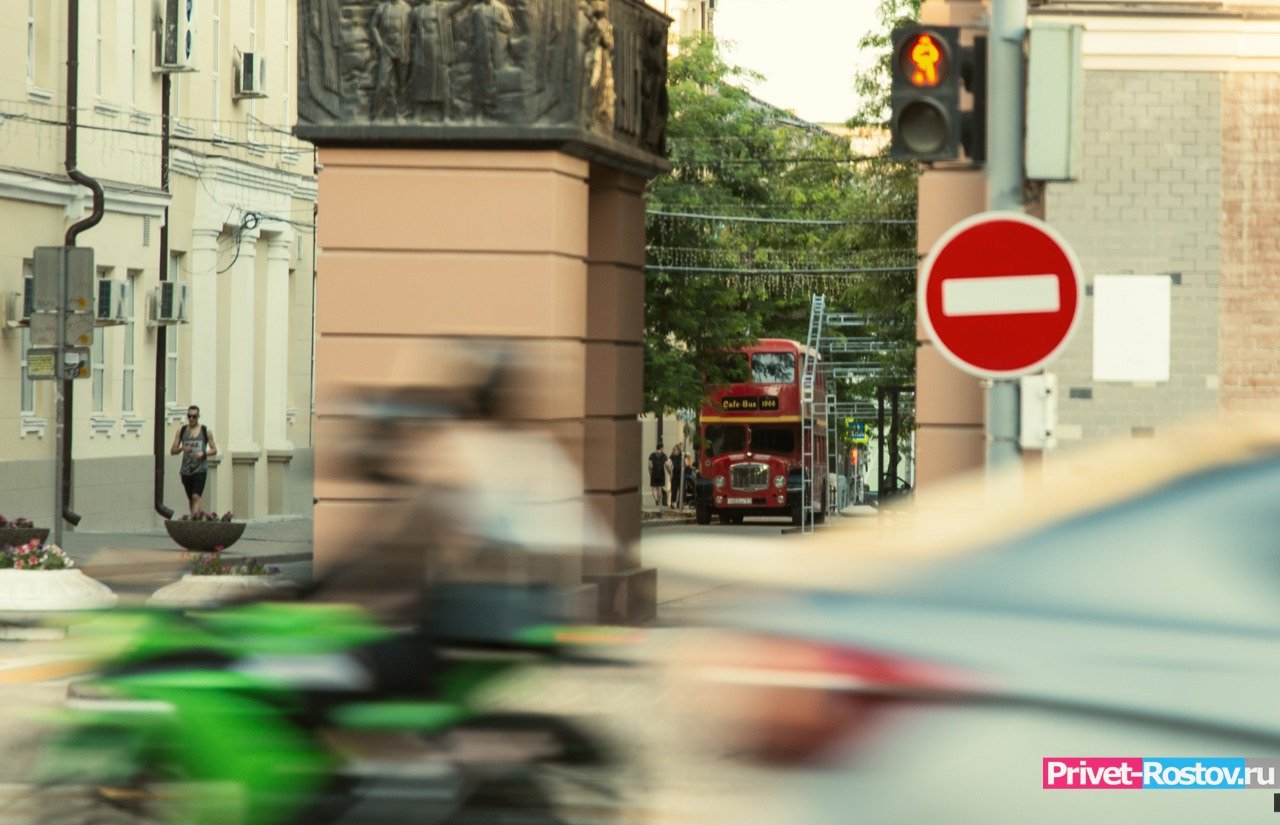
x=1000 y=294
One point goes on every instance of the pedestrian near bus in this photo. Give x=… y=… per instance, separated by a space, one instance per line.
x=657 y=474
x=196 y=444
x=676 y=471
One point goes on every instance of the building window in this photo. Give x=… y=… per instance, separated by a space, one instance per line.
x=250 y=132
x=284 y=72
x=130 y=305
x=133 y=52
x=28 y=394
x=98 y=358
x=100 y=49
x=171 y=342
x=31 y=41
x=215 y=64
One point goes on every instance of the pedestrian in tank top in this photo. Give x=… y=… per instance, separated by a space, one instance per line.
x=196 y=444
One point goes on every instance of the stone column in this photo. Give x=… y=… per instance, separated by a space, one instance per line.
x=522 y=223
x=950 y=412
x=241 y=446
x=615 y=371
x=275 y=354
x=202 y=375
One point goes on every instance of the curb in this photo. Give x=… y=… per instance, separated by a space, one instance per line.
x=665 y=522
x=98 y=571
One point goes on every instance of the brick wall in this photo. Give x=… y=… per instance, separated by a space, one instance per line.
x=1249 y=335
x=1147 y=202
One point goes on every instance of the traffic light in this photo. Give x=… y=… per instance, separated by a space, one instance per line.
x=929 y=66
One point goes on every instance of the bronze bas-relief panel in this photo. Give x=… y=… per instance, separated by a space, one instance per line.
x=479 y=70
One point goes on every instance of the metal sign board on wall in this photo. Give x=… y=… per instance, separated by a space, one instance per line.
x=41 y=362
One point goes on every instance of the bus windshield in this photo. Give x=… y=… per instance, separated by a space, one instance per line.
x=773 y=439
x=773 y=367
x=726 y=438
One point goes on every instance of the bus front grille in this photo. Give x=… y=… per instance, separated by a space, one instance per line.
x=749 y=477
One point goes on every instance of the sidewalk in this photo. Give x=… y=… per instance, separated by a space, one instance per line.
x=275 y=539
x=654 y=515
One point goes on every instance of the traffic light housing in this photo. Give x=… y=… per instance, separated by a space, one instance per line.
x=929 y=66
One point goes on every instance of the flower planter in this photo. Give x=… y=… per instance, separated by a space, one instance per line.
x=28 y=594
x=193 y=591
x=21 y=535
x=204 y=536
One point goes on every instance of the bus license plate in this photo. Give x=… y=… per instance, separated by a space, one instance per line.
x=739 y=500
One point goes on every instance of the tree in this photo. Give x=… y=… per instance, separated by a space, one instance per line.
x=799 y=212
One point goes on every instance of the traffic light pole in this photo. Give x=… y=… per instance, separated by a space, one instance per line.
x=1005 y=91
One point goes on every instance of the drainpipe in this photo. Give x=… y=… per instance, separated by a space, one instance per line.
x=162 y=331
x=66 y=389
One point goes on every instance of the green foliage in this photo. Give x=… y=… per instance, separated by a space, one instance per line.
x=715 y=285
x=211 y=564
x=872 y=85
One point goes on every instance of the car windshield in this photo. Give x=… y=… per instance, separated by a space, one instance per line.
x=1202 y=550
x=725 y=438
x=773 y=368
x=773 y=439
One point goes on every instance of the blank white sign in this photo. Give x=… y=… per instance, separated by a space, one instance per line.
x=1131 y=327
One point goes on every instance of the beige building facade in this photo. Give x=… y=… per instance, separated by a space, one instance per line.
x=1172 y=215
x=239 y=218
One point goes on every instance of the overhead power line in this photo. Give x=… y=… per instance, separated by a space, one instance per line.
x=791 y=221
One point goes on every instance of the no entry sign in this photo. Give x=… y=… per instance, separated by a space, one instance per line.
x=1000 y=294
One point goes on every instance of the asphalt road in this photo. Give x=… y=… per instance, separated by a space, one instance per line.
x=677 y=770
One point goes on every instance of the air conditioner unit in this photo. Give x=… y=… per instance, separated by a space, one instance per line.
x=251 y=75
x=169 y=303
x=18 y=306
x=110 y=308
x=175 y=35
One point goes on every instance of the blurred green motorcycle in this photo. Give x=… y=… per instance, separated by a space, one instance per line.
x=297 y=712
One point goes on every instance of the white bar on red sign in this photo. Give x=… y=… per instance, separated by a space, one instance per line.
x=1000 y=295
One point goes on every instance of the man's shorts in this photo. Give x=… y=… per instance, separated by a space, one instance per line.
x=194 y=484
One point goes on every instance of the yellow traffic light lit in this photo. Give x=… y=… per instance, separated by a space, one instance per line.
x=926 y=64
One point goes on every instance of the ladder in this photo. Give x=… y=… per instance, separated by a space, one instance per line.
x=812 y=410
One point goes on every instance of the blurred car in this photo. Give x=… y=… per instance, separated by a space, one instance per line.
x=921 y=674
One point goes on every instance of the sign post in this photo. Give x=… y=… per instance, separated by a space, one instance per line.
x=61 y=327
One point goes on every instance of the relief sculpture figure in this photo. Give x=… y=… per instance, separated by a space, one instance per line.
x=389 y=31
x=492 y=29
x=601 y=97
x=431 y=56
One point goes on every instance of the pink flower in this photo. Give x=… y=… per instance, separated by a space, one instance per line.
x=18 y=564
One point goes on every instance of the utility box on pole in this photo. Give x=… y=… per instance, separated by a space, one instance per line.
x=1055 y=87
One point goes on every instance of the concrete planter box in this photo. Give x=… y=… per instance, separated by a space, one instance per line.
x=21 y=535
x=204 y=536
x=33 y=594
x=193 y=591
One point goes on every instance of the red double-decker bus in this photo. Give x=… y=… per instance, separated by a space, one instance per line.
x=752 y=459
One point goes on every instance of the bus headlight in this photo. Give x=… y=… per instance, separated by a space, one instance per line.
x=719 y=482
x=779 y=481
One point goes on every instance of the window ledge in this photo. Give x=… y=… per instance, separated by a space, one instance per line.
x=107 y=108
x=181 y=129
x=139 y=117
x=32 y=425
x=100 y=424
x=174 y=414
x=133 y=426
x=38 y=94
